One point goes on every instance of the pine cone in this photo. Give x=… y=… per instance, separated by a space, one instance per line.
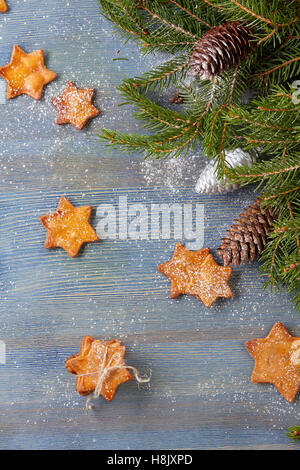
x=247 y=238
x=219 y=49
x=176 y=98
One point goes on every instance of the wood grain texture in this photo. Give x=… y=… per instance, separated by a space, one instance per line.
x=200 y=394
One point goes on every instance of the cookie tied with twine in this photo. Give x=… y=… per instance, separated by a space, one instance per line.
x=100 y=368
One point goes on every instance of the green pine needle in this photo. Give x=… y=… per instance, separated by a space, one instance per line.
x=294 y=433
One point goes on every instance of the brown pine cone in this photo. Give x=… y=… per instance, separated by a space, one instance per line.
x=247 y=238
x=219 y=49
x=176 y=98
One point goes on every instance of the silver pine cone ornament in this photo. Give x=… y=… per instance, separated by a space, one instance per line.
x=247 y=237
x=219 y=49
x=208 y=183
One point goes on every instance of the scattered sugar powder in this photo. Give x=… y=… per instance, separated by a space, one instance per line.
x=173 y=173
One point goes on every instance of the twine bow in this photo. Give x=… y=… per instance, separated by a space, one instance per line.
x=104 y=371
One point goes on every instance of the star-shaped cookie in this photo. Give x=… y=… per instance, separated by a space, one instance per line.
x=277 y=361
x=68 y=227
x=176 y=268
x=3 y=6
x=94 y=356
x=26 y=74
x=196 y=273
x=210 y=281
x=75 y=106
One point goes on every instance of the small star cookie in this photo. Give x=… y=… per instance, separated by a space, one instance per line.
x=196 y=273
x=68 y=227
x=3 y=6
x=93 y=360
x=75 y=106
x=26 y=74
x=277 y=361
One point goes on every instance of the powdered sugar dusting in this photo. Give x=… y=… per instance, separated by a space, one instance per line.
x=173 y=173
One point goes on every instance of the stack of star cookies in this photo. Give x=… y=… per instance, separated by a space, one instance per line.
x=198 y=274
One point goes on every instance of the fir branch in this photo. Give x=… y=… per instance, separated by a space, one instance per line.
x=155 y=116
x=260 y=13
x=289 y=70
x=259 y=172
x=294 y=433
x=158 y=14
x=251 y=13
x=172 y=142
x=280 y=65
x=127 y=25
x=283 y=250
x=130 y=13
x=261 y=18
x=165 y=75
x=181 y=7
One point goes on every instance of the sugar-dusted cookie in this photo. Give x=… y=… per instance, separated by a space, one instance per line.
x=3 y=6
x=99 y=364
x=196 y=273
x=26 y=74
x=277 y=361
x=210 y=281
x=68 y=227
x=75 y=106
x=177 y=268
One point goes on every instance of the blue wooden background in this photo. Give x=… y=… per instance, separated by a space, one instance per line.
x=200 y=394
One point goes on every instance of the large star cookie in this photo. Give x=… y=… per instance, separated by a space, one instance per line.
x=26 y=74
x=75 y=106
x=3 y=6
x=90 y=364
x=277 y=361
x=196 y=273
x=68 y=227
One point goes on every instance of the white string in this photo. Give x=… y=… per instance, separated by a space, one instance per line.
x=104 y=371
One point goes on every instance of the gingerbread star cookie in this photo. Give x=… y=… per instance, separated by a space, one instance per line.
x=26 y=74
x=68 y=227
x=75 y=106
x=210 y=281
x=176 y=268
x=3 y=6
x=99 y=362
x=277 y=361
x=196 y=273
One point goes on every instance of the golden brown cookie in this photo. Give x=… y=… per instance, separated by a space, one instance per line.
x=26 y=74
x=210 y=281
x=196 y=273
x=68 y=227
x=75 y=106
x=3 y=6
x=90 y=363
x=177 y=268
x=277 y=361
